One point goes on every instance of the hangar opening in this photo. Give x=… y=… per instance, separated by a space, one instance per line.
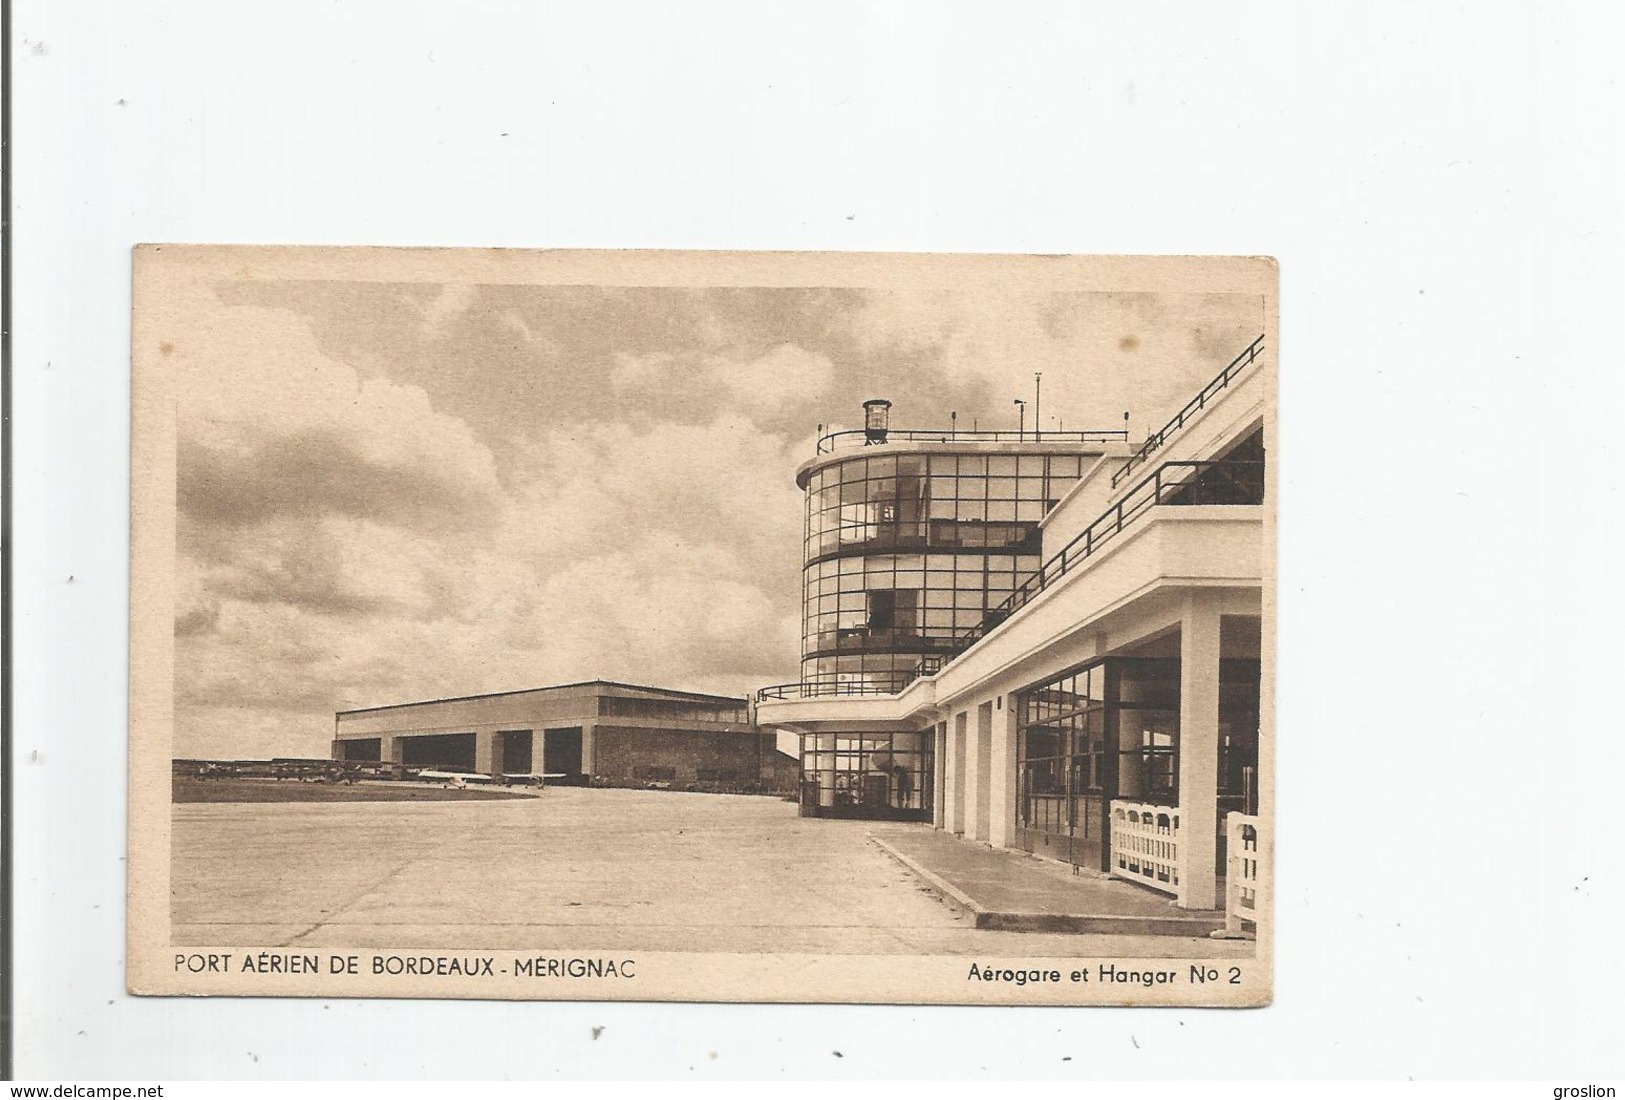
x=439 y=750
x=362 y=749
x=561 y=750
x=516 y=746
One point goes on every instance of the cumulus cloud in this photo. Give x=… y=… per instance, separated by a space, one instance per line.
x=1100 y=354
x=492 y=489
x=269 y=426
x=343 y=543
x=784 y=377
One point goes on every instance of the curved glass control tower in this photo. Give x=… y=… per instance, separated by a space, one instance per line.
x=910 y=538
x=909 y=544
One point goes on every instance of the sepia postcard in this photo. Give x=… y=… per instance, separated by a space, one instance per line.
x=725 y=626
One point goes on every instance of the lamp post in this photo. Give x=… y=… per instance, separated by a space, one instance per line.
x=1038 y=404
x=1022 y=432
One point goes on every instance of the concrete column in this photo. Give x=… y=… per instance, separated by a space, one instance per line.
x=391 y=749
x=589 y=760
x=538 y=752
x=939 y=775
x=1198 y=751
x=982 y=772
x=487 y=753
x=826 y=751
x=956 y=755
x=972 y=771
x=1002 y=769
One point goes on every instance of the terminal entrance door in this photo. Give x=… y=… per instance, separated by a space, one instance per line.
x=1107 y=731
x=876 y=789
x=1063 y=772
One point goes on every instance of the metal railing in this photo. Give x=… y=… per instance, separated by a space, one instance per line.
x=928 y=665
x=1236 y=483
x=810 y=689
x=1194 y=406
x=858 y=437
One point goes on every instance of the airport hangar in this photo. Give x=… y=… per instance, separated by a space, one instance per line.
x=598 y=730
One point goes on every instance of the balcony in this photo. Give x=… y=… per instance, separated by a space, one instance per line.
x=1172 y=483
x=823 y=689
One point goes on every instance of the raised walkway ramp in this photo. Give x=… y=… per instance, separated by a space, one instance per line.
x=1016 y=892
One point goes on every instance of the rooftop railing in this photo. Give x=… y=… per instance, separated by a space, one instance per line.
x=854 y=438
x=1195 y=405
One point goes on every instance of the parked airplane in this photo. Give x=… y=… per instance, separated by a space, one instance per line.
x=461 y=780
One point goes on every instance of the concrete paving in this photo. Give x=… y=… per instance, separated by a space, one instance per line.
x=1014 y=891
x=579 y=869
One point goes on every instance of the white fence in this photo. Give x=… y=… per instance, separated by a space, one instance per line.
x=1246 y=885
x=1145 y=845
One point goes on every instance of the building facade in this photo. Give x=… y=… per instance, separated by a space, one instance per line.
x=1095 y=690
x=910 y=539
x=602 y=731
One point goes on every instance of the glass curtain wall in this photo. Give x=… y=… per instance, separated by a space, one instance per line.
x=867 y=775
x=906 y=552
x=1063 y=770
x=1111 y=731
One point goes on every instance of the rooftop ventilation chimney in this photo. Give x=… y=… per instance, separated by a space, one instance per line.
x=876 y=420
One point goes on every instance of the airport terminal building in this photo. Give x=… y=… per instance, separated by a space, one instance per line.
x=1048 y=641
x=598 y=731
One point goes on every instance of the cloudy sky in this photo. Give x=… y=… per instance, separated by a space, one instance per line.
x=391 y=492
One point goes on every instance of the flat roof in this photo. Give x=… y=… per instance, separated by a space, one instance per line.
x=958 y=445
x=671 y=693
